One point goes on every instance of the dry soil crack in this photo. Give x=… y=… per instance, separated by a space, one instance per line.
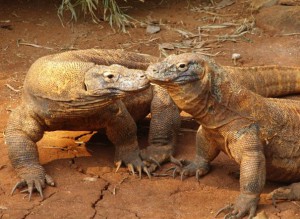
x=30 y=210
x=94 y=204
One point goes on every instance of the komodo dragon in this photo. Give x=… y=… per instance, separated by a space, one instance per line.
x=260 y=134
x=78 y=90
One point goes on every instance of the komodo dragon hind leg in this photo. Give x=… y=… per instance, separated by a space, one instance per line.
x=291 y=192
x=21 y=134
x=164 y=128
x=122 y=132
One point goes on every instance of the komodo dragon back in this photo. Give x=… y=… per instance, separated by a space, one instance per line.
x=60 y=77
x=268 y=81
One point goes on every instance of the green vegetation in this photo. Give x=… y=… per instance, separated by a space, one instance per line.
x=110 y=10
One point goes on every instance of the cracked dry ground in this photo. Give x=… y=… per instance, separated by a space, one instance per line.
x=82 y=163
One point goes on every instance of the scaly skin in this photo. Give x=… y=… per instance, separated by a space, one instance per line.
x=82 y=90
x=259 y=133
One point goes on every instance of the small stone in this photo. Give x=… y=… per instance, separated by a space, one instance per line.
x=236 y=56
x=152 y=29
x=90 y=179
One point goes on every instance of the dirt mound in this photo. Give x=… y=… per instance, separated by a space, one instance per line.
x=279 y=19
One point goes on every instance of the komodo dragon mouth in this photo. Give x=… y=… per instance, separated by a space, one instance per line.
x=116 y=90
x=181 y=79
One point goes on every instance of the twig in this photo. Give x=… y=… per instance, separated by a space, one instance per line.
x=212 y=13
x=33 y=45
x=295 y=203
x=218 y=26
x=115 y=188
x=12 y=88
x=287 y=34
x=208 y=54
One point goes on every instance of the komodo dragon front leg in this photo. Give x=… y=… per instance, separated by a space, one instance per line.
x=121 y=131
x=247 y=149
x=24 y=132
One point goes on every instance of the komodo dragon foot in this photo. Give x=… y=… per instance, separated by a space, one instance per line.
x=245 y=203
x=156 y=155
x=191 y=168
x=35 y=178
x=291 y=192
x=133 y=162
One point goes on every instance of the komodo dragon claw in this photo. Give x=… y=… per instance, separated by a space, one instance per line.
x=33 y=183
x=131 y=168
x=291 y=192
x=190 y=169
x=156 y=155
x=245 y=203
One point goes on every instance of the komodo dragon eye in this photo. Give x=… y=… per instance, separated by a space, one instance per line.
x=109 y=76
x=182 y=66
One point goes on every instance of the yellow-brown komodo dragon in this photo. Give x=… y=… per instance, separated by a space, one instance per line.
x=260 y=134
x=86 y=90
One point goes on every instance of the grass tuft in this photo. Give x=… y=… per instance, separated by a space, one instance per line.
x=111 y=12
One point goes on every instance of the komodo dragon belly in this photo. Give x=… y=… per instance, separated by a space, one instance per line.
x=281 y=130
x=283 y=159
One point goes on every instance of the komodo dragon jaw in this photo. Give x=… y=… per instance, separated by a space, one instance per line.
x=114 y=81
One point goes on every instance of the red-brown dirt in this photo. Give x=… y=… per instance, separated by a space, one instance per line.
x=86 y=184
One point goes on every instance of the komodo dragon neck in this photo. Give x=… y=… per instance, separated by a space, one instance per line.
x=216 y=100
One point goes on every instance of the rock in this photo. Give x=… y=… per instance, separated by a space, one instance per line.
x=152 y=29
x=279 y=19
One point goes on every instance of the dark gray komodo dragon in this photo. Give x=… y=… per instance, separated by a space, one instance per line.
x=89 y=90
x=260 y=134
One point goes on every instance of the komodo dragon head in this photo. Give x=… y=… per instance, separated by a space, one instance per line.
x=114 y=81
x=59 y=85
x=178 y=69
